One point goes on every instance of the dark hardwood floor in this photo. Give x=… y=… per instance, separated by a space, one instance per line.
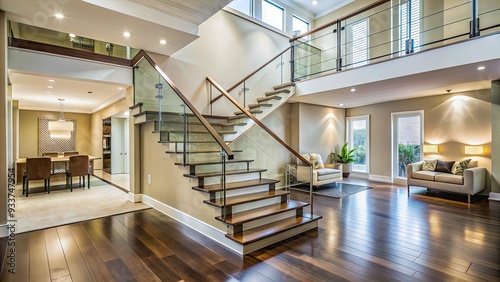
x=379 y=234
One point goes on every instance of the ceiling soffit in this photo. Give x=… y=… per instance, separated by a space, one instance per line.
x=194 y=11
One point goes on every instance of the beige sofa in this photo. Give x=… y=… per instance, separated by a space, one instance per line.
x=321 y=174
x=471 y=182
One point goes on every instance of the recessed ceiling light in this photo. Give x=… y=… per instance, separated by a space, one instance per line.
x=120 y=88
x=353 y=89
x=50 y=87
x=59 y=16
x=341 y=104
x=315 y=2
x=126 y=34
x=125 y=113
x=163 y=42
x=72 y=35
x=481 y=68
x=51 y=80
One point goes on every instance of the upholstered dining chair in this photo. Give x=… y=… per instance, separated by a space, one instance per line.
x=37 y=168
x=78 y=166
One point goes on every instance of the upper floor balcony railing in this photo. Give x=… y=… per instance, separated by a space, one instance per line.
x=42 y=39
x=386 y=30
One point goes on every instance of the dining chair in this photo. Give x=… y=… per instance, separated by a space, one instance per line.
x=57 y=167
x=78 y=166
x=37 y=168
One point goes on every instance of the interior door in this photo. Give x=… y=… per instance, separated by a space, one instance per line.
x=117 y=143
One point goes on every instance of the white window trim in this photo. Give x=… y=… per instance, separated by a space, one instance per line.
x=283 y=11
x=394 y=149
x=367 y=148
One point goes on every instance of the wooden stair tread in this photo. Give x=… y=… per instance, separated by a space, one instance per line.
x=252 y=106
x=284 y=85
x=236 y=185
x=253 y=111
x=264 y=99
x=201 y=152
x=195 y=131
x=238 y=116
x=247 y=198
x=233 y=161
x=228 y=172
x=193 y=141
x=223 y=124
x=268 y=230
x=250 y=215
x=278 y=91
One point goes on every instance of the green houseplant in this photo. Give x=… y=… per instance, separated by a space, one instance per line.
x=346 y=158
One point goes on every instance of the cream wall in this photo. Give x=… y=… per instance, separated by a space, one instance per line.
x=450 y=120
x=229 y=48
x=317 y=129
x=495 y=132
x=28 y=131
x=95 y=128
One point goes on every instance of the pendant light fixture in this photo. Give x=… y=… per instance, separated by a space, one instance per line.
x=61 y=129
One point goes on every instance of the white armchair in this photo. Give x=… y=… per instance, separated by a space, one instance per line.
x=321 y=174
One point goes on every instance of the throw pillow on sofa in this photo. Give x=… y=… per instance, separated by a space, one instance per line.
x=461 y=166
x=444 y=166
x=317 y=161
x=429 y=165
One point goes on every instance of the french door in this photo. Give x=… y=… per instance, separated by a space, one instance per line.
x=407 y=141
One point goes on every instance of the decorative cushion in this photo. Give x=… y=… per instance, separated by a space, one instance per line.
x=317 y=161
x=325 y=171
x=461 y=166
x=429 y=165
x=442 y=166
x=472 y=164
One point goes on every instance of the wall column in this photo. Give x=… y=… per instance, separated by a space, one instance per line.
x=495 y=141
x=4 y=120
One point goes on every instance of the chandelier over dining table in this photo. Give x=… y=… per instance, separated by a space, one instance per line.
x=61 y=129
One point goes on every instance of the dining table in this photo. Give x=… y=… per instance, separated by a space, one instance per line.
x=21 y=164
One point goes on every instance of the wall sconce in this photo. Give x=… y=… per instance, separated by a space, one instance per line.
x=474 y=150
x=431 y=149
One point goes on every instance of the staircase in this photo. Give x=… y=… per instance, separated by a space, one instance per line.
x=255 y=212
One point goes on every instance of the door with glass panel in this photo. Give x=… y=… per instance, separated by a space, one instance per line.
x=407 y=140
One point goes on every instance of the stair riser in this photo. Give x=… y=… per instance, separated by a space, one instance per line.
x=256 y=204
x=179 y=137
x=190 y=127
x=218 y=167
x=279 y=237
x=264 y=221
x=192 y=147
x=243 y=191
x=231 y=178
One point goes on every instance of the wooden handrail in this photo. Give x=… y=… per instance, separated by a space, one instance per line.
x=251 y=74
x=142 y=54
x=250 y=115
x=352 y=14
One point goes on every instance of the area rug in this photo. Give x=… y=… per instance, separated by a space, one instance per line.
x=41 y=210
x=335 y=190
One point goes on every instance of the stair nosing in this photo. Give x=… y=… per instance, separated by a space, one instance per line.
x=305 y=220
x=228 y=172
x=212 y=163
x=213 y=187
x=233 y=201
x=298 y=204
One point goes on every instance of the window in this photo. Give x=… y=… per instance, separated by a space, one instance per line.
x=244 y=6
x=273 y=14
x=299 y=25
x=407 y=136
x=360 y=43
x=358 y=136
x=410 y=25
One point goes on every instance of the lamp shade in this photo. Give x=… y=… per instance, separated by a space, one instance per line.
x=474 y=150
x=431 y=149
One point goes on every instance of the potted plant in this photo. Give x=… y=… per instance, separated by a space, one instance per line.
x=346 y=158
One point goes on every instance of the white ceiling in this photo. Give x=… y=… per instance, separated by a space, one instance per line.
x=323 y=7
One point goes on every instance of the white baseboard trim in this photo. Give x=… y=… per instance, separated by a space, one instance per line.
x=134 y=198
x=361 y=175
x=400 y=181
x=4 y=230
x=380 y=178
x=194 y=223
x=494 y=196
